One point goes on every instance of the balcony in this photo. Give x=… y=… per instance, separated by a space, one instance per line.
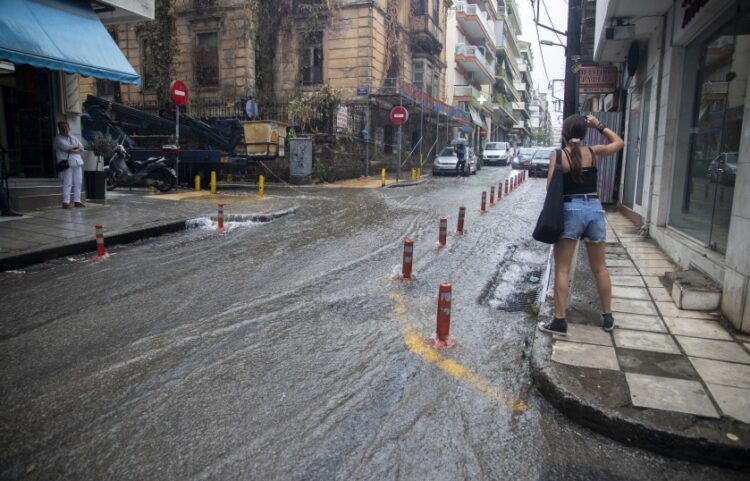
x=426 y=35
x=475 y=23
x=503 y=106
x=521 y=107
x=471 y=59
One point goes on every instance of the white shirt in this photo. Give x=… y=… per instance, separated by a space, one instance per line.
x=62 y=144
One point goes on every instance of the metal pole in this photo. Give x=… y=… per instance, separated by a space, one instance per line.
x=398 y=168
x=367 y=140
x=573 y=53
x=177 y=142
x=421 y=135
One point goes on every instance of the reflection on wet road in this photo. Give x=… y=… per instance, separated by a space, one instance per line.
x=290 y=350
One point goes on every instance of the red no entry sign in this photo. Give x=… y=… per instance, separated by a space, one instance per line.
x=399 y=115
x=179 y=92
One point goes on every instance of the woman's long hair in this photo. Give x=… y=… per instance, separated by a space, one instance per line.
x=574 y=130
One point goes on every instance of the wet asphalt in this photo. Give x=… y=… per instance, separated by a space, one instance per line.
x=290 y=350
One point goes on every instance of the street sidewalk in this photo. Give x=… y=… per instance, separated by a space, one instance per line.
x=669 y=380
x=127 y=215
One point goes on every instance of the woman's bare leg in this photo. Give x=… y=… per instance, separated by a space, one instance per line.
x=598 y=263
x=564 y=250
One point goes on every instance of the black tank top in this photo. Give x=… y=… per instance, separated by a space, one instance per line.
x=589 y=175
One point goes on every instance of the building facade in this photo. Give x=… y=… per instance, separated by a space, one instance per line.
x=508 y=74
x=686 y=166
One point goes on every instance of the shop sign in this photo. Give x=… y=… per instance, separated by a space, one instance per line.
x=597 y=80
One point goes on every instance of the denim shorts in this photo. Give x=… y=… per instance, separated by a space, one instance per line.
x=584 y=219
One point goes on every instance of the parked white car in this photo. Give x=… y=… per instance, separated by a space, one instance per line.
x=496 y=153
x=445 y=162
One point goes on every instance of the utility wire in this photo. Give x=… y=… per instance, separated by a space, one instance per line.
x=551 y=22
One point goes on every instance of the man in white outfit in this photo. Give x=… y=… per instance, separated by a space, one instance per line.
x=69 y=147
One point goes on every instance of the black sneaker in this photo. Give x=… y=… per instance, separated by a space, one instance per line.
x=555 y=326
x=608 y=322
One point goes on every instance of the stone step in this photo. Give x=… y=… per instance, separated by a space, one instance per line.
x=691 y=290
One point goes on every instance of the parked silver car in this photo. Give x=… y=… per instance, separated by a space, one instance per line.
x=445 y=162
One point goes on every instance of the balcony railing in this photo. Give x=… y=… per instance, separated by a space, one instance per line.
x=476 y=52
x=466 y=91
x=474 y=10
x=425 y=23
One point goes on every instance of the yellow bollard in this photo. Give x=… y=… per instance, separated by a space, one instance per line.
x=382 y=177
x=197 y=183
x=213 y=182
x=261 y=186
x=230 y=178
x=151 y=190
x=419 y=173
x=413 y=175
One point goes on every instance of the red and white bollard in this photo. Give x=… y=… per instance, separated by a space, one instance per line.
x=442 y=332
x=461 y=217
x=443 y=232
x=101 y=254
x=506 y=186
x=499 y=191
x=483 y=207
x=408 y=257
x=220 y=225
x=492 y=195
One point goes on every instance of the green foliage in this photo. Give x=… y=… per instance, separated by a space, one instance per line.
x=319 y=171
x=325 y=102
x=161 y=37
x=104 y=146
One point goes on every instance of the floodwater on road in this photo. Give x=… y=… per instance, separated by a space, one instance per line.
x=291 y=350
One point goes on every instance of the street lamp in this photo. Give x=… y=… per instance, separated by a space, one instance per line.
x=551 y=43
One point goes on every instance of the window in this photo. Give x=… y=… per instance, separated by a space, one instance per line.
x=421 y=8
x=417 y=75
x=146 y=67
x=436 y=11
x=105 y=88
x=311 y=59
x=207 y=59
x=436 y=84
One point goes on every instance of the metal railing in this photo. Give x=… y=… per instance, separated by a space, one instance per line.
x=477 y=53
x=474 y=10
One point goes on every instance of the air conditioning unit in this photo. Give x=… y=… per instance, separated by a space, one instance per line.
x=620 y=32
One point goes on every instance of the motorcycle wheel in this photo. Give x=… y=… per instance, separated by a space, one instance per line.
x=164 y=182
x=110 y=183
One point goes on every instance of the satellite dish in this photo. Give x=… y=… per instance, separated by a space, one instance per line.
x=633 y=58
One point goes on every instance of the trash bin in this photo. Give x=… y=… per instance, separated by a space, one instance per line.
x=300 y=160
x=93 y=175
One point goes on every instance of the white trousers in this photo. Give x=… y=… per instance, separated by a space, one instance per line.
x=72 y=177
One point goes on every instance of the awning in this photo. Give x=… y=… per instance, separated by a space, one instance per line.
x=61 y=35
x=475 y=116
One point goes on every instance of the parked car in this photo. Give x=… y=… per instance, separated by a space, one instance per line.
x=723 y=168
x=522 y=159
x=445 y=162
x=477 y=160
x=472 y=160
x=540 y=162
x=496 y=153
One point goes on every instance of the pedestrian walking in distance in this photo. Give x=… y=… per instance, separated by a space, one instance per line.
x=68 y=147
x=583 y=215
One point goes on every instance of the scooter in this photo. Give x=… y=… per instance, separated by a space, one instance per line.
x=153 y=171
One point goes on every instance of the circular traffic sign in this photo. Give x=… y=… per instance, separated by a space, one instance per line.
x=179 y=92
x=399 y=115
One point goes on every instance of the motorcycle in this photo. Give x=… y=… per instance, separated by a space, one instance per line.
x=153 y=171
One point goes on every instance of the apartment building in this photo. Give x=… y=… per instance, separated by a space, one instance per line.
x=507 y=71
x=525 y=88
x=539 y=119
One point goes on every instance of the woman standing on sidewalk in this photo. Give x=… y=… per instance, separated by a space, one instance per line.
x=68 y=147
x=583 y=214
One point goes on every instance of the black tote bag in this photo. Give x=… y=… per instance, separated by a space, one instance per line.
x=550 y=225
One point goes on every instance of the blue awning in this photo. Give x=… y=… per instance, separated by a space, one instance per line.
x=61 y=35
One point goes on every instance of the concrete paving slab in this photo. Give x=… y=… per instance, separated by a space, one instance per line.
x=732 y=401
x=747 y=346
x=660 y=294
x=655 y=263
x=713 y=349
x=649 y=256
x=630 y=281
x=655 y=271
x=623 y=271
x=645 y=341
x=587 y=334
x=639 y=322
x=615 y=249
x=670 y=395
x=619 y=263
x=585 y=355
x=670 y=310
x=637 y=293
x=696 y=328
x=634 y=307
x=720 y=372
x=652 y=281
x=675 y=366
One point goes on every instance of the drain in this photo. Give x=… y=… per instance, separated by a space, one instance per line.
x=524 y=295
x=519 y=279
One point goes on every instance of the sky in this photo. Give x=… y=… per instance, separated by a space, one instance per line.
x=553 y=57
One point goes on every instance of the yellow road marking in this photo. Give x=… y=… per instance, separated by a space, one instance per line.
x=416 y=344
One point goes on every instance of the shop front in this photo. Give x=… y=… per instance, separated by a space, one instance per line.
x=44 y=48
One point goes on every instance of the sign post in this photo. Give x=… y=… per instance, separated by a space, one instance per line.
x=399 y=116
x=179 y=92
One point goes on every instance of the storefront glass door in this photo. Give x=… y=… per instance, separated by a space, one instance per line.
x=702 y=209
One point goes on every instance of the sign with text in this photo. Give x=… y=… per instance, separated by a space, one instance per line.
x=179 y=92
x=399 y=115
x=597 y=80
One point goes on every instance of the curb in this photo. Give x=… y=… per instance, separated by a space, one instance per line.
x=638 y=433
x=45 y=254
x=406 y=184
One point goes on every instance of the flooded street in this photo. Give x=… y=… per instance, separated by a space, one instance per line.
x=290 y=350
